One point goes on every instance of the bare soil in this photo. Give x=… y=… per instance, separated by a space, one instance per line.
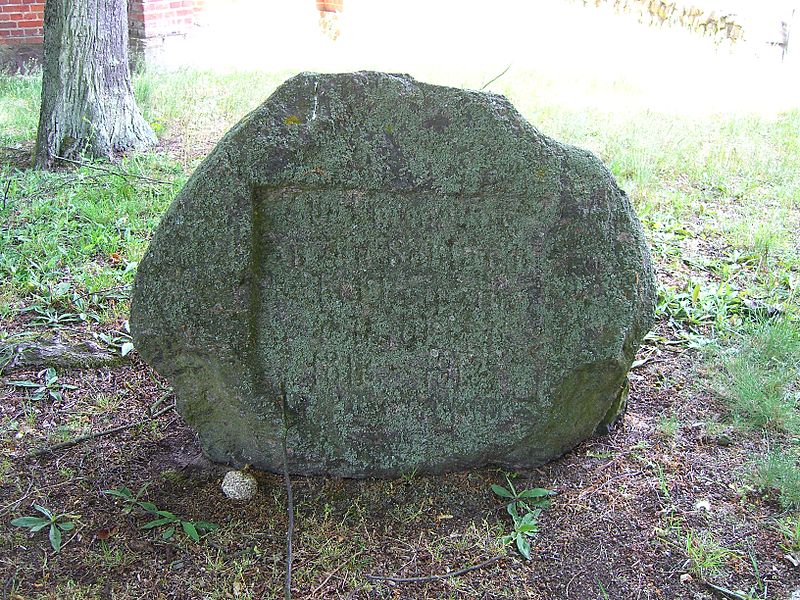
x=617 y=525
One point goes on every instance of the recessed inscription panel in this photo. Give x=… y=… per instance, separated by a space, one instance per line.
x=425 y=331
x=394 y=303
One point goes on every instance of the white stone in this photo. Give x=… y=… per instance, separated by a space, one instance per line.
x=239 y=485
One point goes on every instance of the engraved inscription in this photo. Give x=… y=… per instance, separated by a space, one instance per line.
x=395 y=302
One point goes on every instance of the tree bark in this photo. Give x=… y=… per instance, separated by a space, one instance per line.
x=87 y=97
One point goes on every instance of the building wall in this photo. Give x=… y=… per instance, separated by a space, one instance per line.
x=21 y=21
x=152 y=23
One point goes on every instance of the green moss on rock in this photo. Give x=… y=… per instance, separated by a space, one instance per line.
x=433 y=283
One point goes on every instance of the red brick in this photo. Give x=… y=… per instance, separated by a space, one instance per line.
x=35 y=23
x=6 y=2
x=23 y=40
x=8 y=25
x=17 y=16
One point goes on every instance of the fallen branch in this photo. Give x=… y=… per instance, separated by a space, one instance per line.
x=429 y=578
x=54 y=353
x=490 y=82
x=287 y=588
x=97 y=434
x=314 y=592
x=117 y=172
x=104 y=290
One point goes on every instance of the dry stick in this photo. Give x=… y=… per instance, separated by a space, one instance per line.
x=428 y=578
x=287 y=588
x=104 y=290
x=5 y=195
x=117 y=172
x=332 y=573
x=91 y=436
x=487 y=84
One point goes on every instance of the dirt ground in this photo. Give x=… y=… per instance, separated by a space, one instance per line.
x=616 y=528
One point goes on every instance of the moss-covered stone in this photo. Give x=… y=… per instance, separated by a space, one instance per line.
x=433 y=283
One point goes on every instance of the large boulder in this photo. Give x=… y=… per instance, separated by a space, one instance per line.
x=396 y=276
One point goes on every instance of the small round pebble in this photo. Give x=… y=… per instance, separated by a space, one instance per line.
x=238 y=485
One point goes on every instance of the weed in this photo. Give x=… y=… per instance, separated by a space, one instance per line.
x=164 y=518
x=780 y=473
x=120 y=341
x=789 y=528
x=757 y=377
x=603 y=592
x=524 y=508
x=700 y=306
x=705 y=555
x=48 y=387
x=56 y=523
x=668 y=426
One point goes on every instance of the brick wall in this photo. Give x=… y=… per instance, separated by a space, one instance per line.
x=157 y=18
x=21 y=22
x=150 y=22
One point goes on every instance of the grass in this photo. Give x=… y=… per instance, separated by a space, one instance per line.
x=706 y=556
x=757 y=377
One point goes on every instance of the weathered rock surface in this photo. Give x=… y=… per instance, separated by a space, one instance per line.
x=435 y=284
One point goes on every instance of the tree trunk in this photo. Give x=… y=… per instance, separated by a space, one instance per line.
x=87 y=97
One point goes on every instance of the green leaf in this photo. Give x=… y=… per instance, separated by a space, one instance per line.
x=205 y=526
x=157 y=523
x=536 y=493
x=511 y=508
x=501 y=491
x=126 y=348
x=39 y=394
x=524 y=547
x=528 y=528
x=50 y=376
x=30 y=384
x=167 y=514
x=44 y=511
x=56 y=395
x=67 y=386
x=30 y=522
x=122 y=492
x=55 y=537
x=149 y=506
x=41 y=526
x=67 y=526
x=168 y=533
x=189 y=529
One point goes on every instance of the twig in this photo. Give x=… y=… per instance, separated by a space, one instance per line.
x=724 y=592
x=490 y=82
x=117 y=172
x=428 y=578
x=5 y=195
x=13 y=149
x=287 y=588
x=332 y=573
x=97 y=434
x=104 y=290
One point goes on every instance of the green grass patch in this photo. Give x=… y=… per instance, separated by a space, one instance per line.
x=19 y=108
x=759 y=378
x=70 y=235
